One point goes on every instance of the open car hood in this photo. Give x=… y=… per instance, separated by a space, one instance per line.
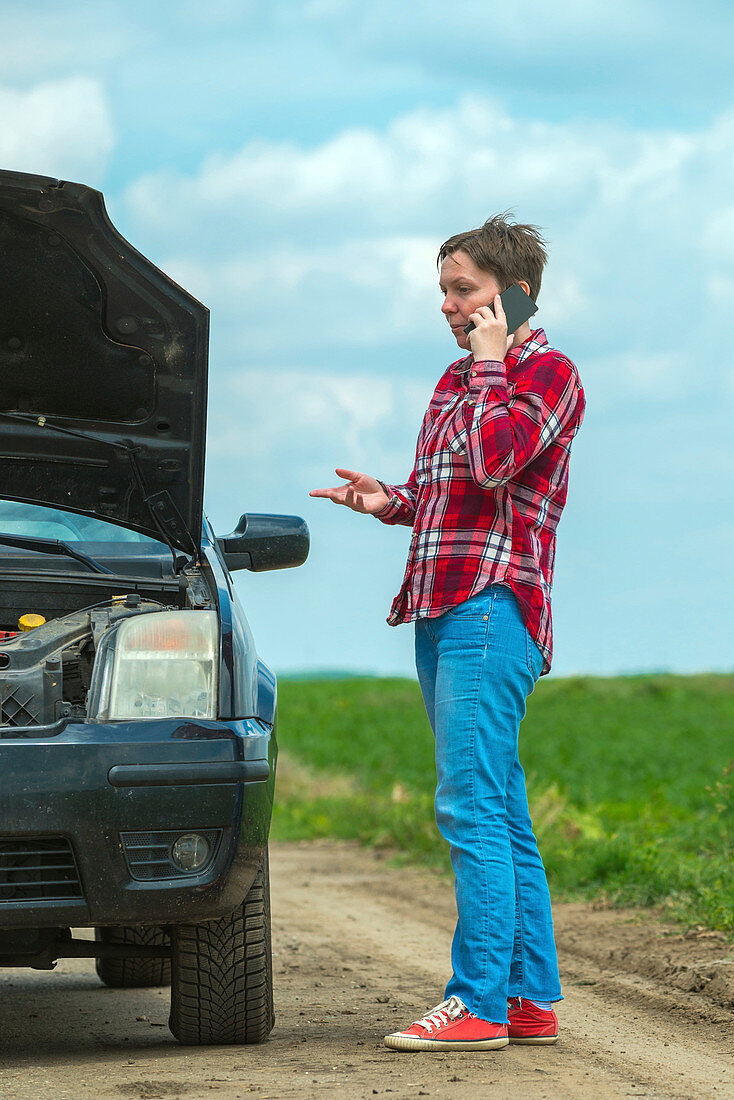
x=103 y=368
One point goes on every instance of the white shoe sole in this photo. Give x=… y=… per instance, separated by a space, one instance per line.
x=541 y=1040
x=411 y=1042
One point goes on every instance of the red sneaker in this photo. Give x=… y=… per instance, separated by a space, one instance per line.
x=530 y=1024
x=449 y=1026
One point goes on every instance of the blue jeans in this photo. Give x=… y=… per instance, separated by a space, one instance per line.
x=477 y=664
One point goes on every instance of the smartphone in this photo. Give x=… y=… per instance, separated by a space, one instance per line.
x=519 y=307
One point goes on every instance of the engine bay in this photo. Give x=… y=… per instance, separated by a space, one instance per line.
x=47 y=663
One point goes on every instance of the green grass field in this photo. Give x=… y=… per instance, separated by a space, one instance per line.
x=630 y=781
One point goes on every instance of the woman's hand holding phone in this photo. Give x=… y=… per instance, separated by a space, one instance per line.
x=488 y=338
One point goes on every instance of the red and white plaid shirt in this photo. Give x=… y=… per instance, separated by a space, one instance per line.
x=489 y=485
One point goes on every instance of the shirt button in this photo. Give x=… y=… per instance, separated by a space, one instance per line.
x=473 y=374
x=485 y=617
x=469 y=401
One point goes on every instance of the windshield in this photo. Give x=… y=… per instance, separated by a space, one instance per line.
x=53 y=523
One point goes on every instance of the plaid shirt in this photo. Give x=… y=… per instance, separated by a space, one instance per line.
x=489 y=485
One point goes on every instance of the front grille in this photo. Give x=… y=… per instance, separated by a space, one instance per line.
x=38 y=868
x=148 y=854
x=20 y=706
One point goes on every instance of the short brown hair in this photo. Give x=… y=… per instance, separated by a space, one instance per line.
x=509 y=251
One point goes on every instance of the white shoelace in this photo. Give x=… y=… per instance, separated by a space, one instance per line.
x=441 y=1014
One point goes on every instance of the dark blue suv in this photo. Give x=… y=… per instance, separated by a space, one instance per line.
x=137 y=723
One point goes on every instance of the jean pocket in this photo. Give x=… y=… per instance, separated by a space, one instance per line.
x=476 y=607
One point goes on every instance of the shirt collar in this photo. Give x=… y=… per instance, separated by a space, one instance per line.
x=535 y=342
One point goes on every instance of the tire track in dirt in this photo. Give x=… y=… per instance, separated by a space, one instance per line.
x=361 y=948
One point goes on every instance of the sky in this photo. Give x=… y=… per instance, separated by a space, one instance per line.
x=297 y=164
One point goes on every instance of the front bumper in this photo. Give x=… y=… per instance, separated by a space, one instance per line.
x=91 y=783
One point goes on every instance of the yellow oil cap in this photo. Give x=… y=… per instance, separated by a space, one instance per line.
x=28 y=622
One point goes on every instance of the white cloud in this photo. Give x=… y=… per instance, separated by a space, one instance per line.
x=431 y=169
x=358 y=292
x=278 y=420
x=60 y=128
x=427 y=167
x=335 y=243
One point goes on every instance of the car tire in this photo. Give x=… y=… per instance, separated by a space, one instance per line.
x=133 y=973
x=222 y=974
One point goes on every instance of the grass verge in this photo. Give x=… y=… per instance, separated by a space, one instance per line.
x=630 y=781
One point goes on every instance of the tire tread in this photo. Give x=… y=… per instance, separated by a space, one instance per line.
x=222 y=986
x=133 y=973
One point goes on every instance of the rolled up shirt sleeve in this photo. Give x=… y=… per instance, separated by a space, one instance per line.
x=505 y=429
x=400 y=507
x=403 y=499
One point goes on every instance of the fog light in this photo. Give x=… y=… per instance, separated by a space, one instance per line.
x=190 y=851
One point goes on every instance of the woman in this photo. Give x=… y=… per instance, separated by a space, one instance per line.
x=484 y=499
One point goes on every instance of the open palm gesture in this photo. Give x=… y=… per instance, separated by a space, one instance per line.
x=362 y=493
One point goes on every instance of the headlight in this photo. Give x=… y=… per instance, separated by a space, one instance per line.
x=158 y=665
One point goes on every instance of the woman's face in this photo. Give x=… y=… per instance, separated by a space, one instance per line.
x=465 y=287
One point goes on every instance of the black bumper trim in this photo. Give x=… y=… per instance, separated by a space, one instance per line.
x=174 y=775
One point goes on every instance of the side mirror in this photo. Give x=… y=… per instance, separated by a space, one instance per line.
x=261 y=542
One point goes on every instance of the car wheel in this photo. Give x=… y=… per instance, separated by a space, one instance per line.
x=222 y=974
x=129 y=973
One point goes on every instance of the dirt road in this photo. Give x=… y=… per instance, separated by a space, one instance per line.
x=360 y=949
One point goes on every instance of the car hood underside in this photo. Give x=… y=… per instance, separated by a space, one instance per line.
x=103 y=368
